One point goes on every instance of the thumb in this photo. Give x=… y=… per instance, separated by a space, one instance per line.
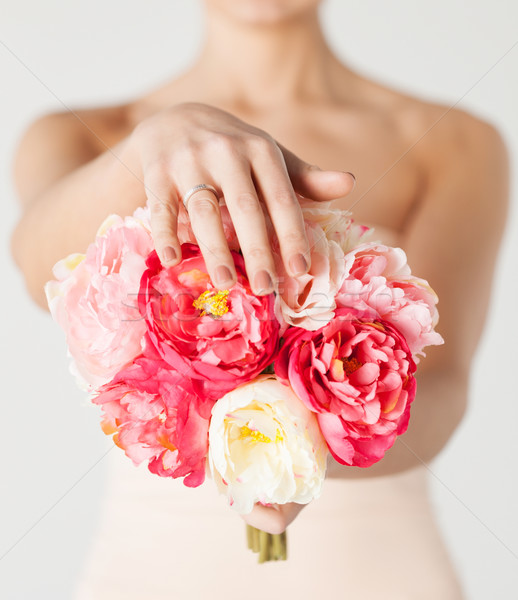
x=314 y=183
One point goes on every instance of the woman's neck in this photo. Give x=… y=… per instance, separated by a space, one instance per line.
x=260 y=66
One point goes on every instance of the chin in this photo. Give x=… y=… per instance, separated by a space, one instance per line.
x=264 y=12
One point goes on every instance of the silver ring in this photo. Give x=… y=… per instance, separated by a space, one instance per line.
x=198 y=188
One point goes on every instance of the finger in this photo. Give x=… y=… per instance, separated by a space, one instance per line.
x=247 y=216
x=290 y=510
x=274 y=518
x=203 y=210
x=163 y=205
x=312 y=182
x=283 y=206
x=266 y=518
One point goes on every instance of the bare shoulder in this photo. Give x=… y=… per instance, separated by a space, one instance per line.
x=441 y=132
x=467 y=155
x=455 y=149
x=56 y=143
x=97 y=127
x=465 y=164
x=434 y=132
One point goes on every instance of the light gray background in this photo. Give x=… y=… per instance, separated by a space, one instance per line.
x=96 y=52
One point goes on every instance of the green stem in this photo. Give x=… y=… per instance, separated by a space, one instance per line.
x=268 y=546
x=264 y=546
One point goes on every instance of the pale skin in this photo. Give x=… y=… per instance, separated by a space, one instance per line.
x=438 y=189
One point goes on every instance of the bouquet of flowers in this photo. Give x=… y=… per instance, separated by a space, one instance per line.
x=252 y=391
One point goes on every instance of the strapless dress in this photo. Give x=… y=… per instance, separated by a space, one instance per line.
x=373 y=538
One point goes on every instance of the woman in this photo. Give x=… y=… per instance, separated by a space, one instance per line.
x=429 y=179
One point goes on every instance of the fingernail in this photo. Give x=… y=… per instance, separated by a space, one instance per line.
x=352 y=175
x=298 y=264
x=223 y=275
x=169 y=253
x=263 y=283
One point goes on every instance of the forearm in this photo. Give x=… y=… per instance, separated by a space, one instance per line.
x=435 y=414
x=65 y=218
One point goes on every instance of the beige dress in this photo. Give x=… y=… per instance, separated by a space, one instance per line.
x=363 y=539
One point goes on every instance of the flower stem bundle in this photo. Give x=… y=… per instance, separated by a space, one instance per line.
x=269 y=546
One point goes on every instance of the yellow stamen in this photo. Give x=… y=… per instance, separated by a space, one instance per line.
x=257 y=436
x=212 y=303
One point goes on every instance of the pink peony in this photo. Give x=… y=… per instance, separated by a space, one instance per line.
x=357 y=375
x=378 y=278
x=219 y=338
x=155 y=416
x=94 y=299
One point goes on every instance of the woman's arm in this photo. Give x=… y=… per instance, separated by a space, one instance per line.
x=66 y=189
x=452 y=240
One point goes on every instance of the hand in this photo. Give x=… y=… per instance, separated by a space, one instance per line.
x=274 y=518
x=190 y=144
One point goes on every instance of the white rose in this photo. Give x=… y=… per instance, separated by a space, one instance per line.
x=265 y=446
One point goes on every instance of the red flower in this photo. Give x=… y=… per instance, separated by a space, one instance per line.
x=220 y=338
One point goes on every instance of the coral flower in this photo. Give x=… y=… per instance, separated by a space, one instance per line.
x=357 y=375
x=155 y=416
